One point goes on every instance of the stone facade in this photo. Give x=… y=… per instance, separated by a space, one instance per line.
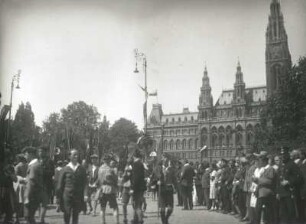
x=229 y=125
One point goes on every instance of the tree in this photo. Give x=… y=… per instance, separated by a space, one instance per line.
x=121 y=134
x=81 y=122
x=24 y=131
x=284 y=117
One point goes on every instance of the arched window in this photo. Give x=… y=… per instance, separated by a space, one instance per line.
x=184 y=144
x=178 y=144
x=190 y=145
x=173 y=120
x=204 y=137
x=165 y=145
x=179 y=119
x=171 y=145
x=191 y=118
x=214 y=140
x=196 y=143
x=228 y=137
x=185 y=119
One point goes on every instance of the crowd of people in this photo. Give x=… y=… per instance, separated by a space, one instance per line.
x=254 y=187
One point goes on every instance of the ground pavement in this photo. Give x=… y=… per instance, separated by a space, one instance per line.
x=197 y=215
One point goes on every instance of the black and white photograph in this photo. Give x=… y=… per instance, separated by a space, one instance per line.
x=152 y=111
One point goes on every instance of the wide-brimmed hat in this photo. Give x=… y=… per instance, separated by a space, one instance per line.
x=261 y=154
x=94 y=156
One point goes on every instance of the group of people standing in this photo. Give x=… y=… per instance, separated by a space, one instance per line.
x=255 y=187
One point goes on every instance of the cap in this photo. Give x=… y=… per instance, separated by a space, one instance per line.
x=261 y=154
x=107 y=158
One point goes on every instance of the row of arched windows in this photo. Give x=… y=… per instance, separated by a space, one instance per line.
x=180 y=144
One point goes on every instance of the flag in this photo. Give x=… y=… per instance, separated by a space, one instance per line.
x=4 y=112
x=153 y=93
x=203 y=148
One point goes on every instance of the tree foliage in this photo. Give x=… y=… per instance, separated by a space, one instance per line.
x=121 y=134
x=284 y=117
x=24 y=132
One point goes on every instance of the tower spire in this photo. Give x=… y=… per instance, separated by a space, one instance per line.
x=278 y=58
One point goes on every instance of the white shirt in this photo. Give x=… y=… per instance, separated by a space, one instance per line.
x=73 y=167
x=94 y=169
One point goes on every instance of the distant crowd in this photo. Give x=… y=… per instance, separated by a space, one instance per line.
x=254 y=187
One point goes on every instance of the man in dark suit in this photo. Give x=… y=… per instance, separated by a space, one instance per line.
x=34 y=188
x=138 y=186
x=186 y=185
x=288 y=188
x=71 y=189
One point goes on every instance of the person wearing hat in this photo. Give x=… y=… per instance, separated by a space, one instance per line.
x=138 y=186
x=107 y=183
x=34 y=188
x=21 y=173
x=288 y=188
x=225 y=182
x=92 y=183
x=186 y=185
x=167 y=185
x=126 y=189
x=48 y=173
x=72 y=188
x=266 y=189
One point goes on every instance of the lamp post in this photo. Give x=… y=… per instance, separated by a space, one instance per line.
x=15 y=78
x=139 y=56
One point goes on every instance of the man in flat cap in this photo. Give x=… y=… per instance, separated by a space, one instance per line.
x=34 y=180
x=288 y=188
x=92 y=183
x=108 y=182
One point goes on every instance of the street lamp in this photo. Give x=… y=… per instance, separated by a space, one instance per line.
x=139 y=56
x=15 y=78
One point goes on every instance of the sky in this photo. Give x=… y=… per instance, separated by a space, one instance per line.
x=71 y=50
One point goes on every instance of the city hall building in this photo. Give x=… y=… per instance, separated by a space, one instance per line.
x=229 y=125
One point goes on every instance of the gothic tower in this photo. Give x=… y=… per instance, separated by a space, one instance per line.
x=239 y=101
x=205 y=100
x=278 y=58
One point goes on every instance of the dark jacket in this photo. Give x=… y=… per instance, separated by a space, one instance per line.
x=187 y=175
x=205 y=180
x=292 y=173
x=72 y=184
x=138 y=177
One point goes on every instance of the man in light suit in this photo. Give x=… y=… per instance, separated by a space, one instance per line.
x=33 y=189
